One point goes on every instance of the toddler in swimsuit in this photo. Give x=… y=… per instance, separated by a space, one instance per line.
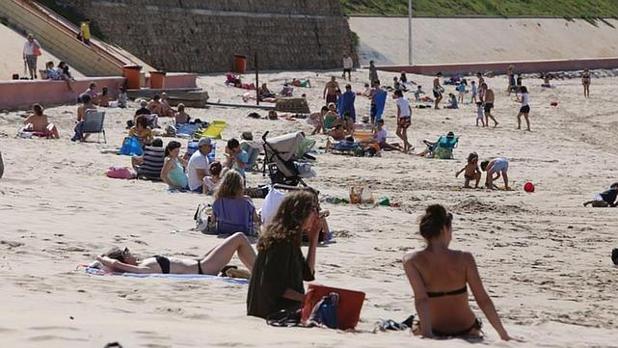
x=471 y=171
x=498 y=167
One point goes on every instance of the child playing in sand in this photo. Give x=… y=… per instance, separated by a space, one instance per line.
x=471 y=171
x=418 y=93
x=452 y=104
x=379 y=136
x=498 y=167
x=211 y=181
x=480 y=114
x=605 y=198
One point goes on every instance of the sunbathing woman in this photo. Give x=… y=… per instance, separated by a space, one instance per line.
x=439 y=277
x=38 y=122
x=213 y=263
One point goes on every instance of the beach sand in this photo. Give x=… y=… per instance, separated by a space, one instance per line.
x=544 y=259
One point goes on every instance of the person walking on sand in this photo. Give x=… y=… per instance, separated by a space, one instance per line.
x=31 y=52
x=348 y=64
x=404 y=119
x=373 y=73
x=440 y=277
x=586 y=83
x=330 y=91
x=488 y=102
x=525 y=108
x=437 y=90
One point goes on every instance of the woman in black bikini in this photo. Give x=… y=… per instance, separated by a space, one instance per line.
x=213 y=263
x=439 y=277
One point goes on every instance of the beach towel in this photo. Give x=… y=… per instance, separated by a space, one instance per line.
x=120 y=173
x=181 y=277
x=380 y=101
x=347 y=104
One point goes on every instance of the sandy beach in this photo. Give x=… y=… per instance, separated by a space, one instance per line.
x=544 y=258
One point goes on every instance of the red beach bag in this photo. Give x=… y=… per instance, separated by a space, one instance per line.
x=348 y=309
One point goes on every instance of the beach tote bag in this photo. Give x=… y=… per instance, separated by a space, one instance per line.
x=120 y=173
x=324 y=312
x=131 y=146
x=36 y=49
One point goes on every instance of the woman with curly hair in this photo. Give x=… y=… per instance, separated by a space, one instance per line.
x=280 y=268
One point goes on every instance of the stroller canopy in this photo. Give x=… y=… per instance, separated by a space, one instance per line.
x=289 y=146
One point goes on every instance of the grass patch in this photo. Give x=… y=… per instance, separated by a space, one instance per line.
x=500 y=8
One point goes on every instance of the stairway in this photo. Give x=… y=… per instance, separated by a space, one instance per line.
x=59 y=37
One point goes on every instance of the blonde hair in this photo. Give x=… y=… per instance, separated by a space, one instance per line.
x=232 y=186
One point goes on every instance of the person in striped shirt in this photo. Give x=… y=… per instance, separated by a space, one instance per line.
x=150 y=164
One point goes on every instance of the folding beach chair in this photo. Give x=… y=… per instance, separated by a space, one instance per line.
x=93 y=123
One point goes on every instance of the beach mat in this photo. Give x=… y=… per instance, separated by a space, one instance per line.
x=182 y=277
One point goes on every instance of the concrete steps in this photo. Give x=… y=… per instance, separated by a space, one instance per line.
x=59 y=39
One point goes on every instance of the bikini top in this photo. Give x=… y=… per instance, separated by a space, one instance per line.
x=448 y=293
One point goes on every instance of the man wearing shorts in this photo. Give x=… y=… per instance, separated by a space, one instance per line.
x=488 y=103
x=404 y=119
x=330 y=91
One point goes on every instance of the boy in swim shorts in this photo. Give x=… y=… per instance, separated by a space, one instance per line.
x=498 y=167
x=471 y=171
x=606 y=198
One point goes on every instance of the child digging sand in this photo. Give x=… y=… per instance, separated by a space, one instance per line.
x=605 y=199
x=498 y=166
x=471 y=171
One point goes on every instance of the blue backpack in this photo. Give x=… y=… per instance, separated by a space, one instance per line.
x=131 y=146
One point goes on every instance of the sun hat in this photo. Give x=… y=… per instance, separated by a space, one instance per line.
x=204 y=142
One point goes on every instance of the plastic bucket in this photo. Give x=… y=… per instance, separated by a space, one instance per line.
x=132 y=74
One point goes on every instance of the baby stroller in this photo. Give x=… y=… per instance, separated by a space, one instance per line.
x=283 y=158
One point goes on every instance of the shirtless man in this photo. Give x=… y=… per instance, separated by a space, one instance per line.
x=330 y=90
x=38 y=122
x=81 y=116
x=437 y=90
x=160 y=107
x=488 y=102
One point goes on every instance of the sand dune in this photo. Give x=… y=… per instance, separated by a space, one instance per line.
x=543 y=257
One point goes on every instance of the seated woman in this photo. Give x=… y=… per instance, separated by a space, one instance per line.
x=280 y=268
x=39 y=124
x=265 y=95
x=173 y=172
x=316 y=119
x=331 y=118
x=181 y=115
x=213 y=263
x=231 y=210
x=103 y=99
x=149 y=165
x=141 y=130
x=452 y=102
x=439 y=277
x=82 y=110
x=442 y=148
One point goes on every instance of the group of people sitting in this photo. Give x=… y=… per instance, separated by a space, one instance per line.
x=278 y=269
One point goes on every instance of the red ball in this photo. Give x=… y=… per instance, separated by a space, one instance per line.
x=529 y=187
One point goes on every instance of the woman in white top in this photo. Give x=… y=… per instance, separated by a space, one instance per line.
x=525 y=107
x=32 y=49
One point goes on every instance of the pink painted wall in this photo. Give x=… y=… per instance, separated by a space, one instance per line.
x=176 y=80
x=21 y=94
x=500 y=67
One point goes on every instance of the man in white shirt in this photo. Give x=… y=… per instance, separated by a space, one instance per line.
x=348 y=64
x=197 y=168
x=32 y=49
x=404 y=118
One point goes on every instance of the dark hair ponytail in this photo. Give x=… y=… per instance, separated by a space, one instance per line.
x=435 y=219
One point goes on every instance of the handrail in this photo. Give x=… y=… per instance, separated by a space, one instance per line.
x=73 y=30
x=106 y=56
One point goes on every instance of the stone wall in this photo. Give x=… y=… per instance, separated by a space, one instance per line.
x=203 y=36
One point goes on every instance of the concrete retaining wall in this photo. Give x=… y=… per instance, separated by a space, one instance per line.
x=203 y=36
